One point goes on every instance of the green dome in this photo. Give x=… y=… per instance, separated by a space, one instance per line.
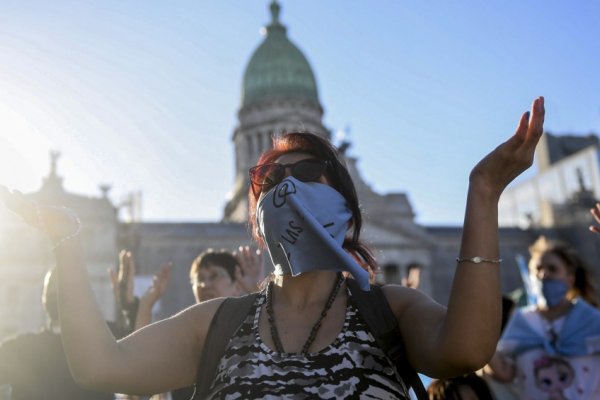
x=278 y=69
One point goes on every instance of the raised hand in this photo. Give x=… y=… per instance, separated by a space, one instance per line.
x=151 y=296
x=596 y=214
x=496 y=170
x=22 y=206
x=250 y=271
x=122 y=280
x=59 y=223
x=160 y=281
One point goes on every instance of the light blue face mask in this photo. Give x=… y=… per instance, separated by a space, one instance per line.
x=303 y=225
x=554 y=291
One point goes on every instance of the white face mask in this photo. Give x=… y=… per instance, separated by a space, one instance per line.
x=303 y=225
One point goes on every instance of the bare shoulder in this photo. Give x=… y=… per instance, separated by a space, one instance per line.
x=197 y=318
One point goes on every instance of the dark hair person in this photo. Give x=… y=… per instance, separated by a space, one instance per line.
x=303 y=336
x=548 y=348
x=212 y=275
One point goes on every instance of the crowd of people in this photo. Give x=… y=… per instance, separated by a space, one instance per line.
x=34 y=364
x=318 y=326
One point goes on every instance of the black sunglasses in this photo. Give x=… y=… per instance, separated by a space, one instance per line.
x=266 y=176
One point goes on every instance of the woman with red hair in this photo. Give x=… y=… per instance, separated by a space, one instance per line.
x=303 y=336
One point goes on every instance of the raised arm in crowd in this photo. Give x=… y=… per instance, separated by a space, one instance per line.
x=306 y=316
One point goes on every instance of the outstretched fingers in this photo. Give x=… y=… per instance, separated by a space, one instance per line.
x=126 y=276
x=596 y=214
x=126 y=266
x=536 y=121
x=523 y=126
x=20 y=205
x=529 y=131
x=163 y=277
x=249 y=271
x=500 y=167
x=531 y=124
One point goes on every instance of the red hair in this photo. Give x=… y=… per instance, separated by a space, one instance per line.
x=338 y=177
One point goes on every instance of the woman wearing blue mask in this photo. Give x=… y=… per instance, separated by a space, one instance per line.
x=303 y=337
x=552 y=349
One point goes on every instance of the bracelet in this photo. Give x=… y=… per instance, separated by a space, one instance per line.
x=70 y=236
x=43 y=227
x=479 y=260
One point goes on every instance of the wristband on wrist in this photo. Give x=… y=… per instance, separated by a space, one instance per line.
x=72 y=217
x=479 y=260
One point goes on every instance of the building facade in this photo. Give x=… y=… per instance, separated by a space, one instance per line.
x=567 y=183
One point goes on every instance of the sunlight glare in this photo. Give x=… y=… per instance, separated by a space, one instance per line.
x=23 y=152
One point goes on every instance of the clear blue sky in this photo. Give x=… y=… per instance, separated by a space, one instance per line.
x=144 y=94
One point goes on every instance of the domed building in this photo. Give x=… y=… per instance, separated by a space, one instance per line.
x=279 y=94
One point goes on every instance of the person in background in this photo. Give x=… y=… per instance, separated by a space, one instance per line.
x=501 y=390
x=551 y=349
x=137 y=312
x=413 y=276
x=34 y=364
x=221 y=273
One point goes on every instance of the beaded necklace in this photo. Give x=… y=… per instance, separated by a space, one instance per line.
x=313 y=332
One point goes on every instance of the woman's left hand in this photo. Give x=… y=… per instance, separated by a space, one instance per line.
x=59 y=223
x=496 y=170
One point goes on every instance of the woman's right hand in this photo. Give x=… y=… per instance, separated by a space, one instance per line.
x=20 y=205
x=57 y=222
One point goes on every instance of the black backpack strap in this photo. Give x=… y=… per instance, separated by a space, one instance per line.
x=377 y=314
x=225 y=323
